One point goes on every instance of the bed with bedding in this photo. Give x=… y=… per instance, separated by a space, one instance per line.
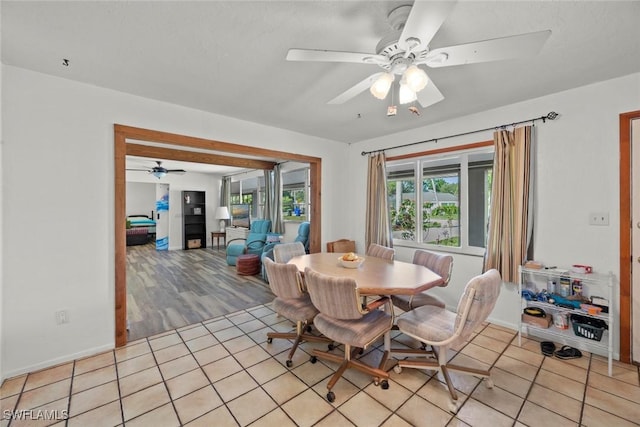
x=140 y=229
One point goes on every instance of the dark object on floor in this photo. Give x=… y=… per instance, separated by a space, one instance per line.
x=137 y=236
x=248 y=264
x=568 y=352
x=547 y=348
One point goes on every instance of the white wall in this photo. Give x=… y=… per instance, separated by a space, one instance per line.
x=577 y=173
x=141 y=198
x=58 y=205
x=1 y=236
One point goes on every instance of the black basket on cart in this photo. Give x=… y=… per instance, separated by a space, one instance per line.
x=588 y=327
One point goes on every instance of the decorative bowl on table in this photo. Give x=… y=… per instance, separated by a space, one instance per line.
x=350 y=260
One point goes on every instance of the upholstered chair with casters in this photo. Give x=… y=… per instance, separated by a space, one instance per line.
x=343 y=319
x=440 y=264
x=380 y=251
x=283 y=252
x=253 y=244
x=293 y=303
x=442 y=329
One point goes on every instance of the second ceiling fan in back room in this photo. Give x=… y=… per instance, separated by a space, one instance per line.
x=406 y=47
x=159 y=171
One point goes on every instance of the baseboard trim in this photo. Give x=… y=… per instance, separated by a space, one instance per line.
x=57 y=361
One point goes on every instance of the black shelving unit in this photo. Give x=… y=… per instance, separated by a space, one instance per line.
x=194 y=224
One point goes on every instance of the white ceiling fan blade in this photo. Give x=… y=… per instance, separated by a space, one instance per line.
x=429 y=95
x=424 y=21
x=355 y=90
x=520 y=46
x=334 y=56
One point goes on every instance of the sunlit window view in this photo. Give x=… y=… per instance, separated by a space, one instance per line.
x=428 y=197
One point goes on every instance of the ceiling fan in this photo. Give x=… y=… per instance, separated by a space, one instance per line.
x=159 y=171
x=406 y=47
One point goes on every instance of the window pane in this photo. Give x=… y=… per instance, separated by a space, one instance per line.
x=480 y=176
x=441 y=202
x=294 y=195
x=401 y=197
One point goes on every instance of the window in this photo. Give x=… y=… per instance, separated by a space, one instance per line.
x=249 y=191
x=295 y=195
x=453 y=193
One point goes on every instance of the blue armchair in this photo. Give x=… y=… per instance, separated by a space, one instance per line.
x=303 y=235
x=253 y=244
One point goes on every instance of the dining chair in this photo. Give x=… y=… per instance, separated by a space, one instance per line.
x=442 y=329
x=380 y=251
x=293 y=303
x=342 y=245
x=283 y=252
x=440 y=264
x=343 y=319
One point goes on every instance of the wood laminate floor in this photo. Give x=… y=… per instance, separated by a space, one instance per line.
x=171 y=289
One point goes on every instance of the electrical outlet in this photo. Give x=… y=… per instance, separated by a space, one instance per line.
x=599 y=218
x=62 y=317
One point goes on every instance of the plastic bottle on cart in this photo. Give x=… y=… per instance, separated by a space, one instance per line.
x=565 y=286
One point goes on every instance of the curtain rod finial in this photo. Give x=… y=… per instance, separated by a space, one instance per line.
x=552 y=115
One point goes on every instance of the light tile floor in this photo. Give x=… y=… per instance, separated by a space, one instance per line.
x=222 y=372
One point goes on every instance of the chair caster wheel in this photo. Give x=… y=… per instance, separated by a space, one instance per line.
x=423 y=347
x=384 y=385
x=289 y=363
x=269 y=340
x=331 y=347
x=331 y=397
x=313 y=359
x=489 y=383
x=397 y=369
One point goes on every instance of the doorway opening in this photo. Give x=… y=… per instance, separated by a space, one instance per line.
x=626 y=228
x=151 y=143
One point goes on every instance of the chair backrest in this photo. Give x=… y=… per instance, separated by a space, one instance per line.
x=477 y=301
x=259 y=230
x=336 y=297
x=284 y=279
x=379 y=251
x=283 y=252
x=342 y=245
x=440 y=264
x=303 y=235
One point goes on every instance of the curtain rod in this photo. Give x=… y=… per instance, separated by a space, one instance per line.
x=550 y=116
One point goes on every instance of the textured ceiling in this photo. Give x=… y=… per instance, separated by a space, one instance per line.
x=228 y=57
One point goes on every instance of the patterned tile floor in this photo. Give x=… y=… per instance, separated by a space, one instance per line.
x=222 y=372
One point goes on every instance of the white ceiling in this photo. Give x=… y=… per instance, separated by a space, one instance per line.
x=228 y=57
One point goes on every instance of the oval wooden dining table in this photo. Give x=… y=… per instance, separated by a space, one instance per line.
x=376 y=276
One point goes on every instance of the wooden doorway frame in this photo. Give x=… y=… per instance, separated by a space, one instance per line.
x=134 y=141
x=625 y=234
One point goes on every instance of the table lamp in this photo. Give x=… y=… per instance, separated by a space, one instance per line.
x=222 y=213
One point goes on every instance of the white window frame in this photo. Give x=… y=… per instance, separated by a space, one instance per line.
x=463 y=155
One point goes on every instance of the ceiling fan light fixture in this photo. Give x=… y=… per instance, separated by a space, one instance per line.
x=380 y=87
x=415 y=78
x=406 y=95
x=159 y=173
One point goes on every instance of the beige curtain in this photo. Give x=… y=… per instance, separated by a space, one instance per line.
x=377 y=222
x=511 y=222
